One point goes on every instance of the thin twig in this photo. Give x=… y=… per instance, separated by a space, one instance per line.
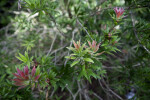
x=73 y=95
x=53 y=19
x=85 y=91
x=105 y=90
x=79 y=89
x=112 y=91
x=70 y=91
x=135 y=32
x=51 y=47
x=58 y=49
x=115 y=94
x=73 y=33
x=84 y=29
x=97 y=96
x=62 y=55
x=52 y=93
x=19 y=5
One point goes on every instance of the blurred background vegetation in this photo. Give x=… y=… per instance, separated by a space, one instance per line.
x=49 y=33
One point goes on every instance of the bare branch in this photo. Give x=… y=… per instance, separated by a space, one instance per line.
x=52 y=45
x=97 y=96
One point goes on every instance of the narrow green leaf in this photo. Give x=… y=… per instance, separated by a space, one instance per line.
x=70 y=57
x=19 y=58
x=28 y=2
x=22 y=58
x=26 y=55
x=37 y=71
x=90 y=72
x=74 y=63
x=88 y=60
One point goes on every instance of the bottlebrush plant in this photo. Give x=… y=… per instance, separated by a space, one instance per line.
x=40 y=78
x=75 y=50
x=119 y=15
x=84 y=60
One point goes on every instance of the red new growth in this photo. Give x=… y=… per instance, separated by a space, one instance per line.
x=24 y=78
x=119 y=11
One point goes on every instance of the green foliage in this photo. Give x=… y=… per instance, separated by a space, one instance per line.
x=113 y=54
x=53 y=79
x=28 y=44
x=84 y=57
x=25 y=58
x=9 y=91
